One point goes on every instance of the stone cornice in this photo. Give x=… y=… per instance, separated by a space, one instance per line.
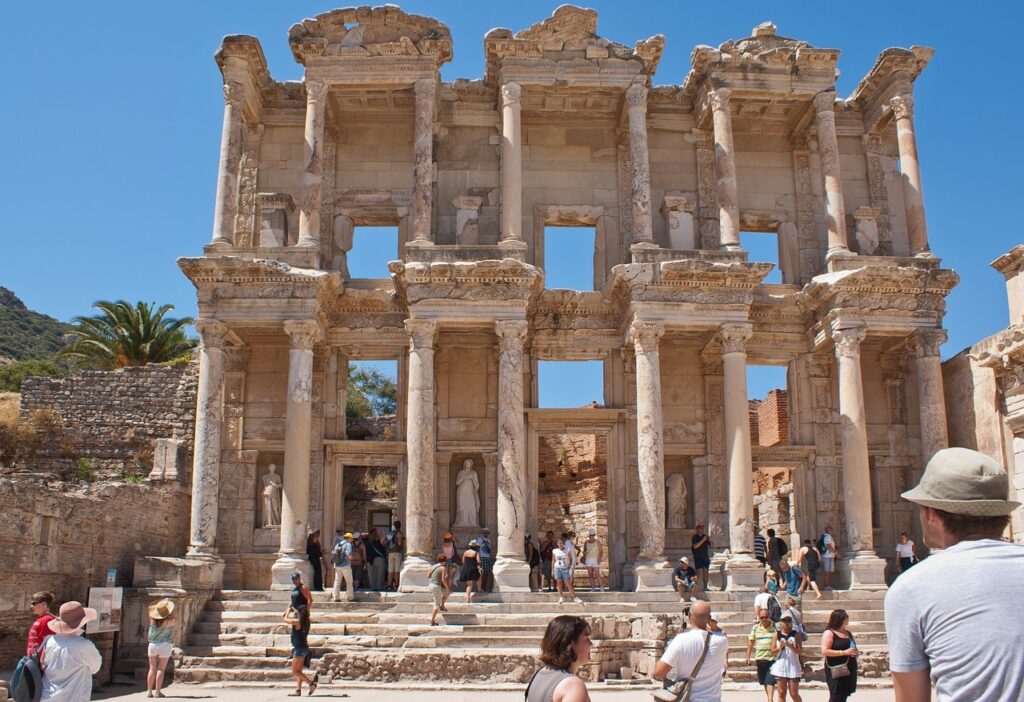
x=466 y=282
x=688 y=280
x=893 y=64
x=1011 y=262
x=223 y=278
x=875 y=288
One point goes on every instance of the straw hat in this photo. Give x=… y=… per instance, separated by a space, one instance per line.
x=72 y=617
x=162 y=609
x=962 y=481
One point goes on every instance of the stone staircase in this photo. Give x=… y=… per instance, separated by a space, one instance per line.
x=386 y=637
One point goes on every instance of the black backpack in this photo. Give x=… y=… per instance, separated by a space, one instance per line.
x=774 y=609
x=820 y=543
x=783 y=548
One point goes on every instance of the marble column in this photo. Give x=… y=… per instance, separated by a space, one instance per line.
x=313 y=151
x=511 y=163
x=725 y=168
x=640 y=167
x=860 y=561
x=420 y=448
x=652 y=570
x=931 y=397
x=511 y=572
x=828 y=150
x=742 y=569
x=302 y=335
x=902 y=107
x=206 y=461
x=423 y=161
x=227 y=172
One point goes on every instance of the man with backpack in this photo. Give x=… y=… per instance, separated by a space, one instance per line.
x=342 y=556
x=777 y=550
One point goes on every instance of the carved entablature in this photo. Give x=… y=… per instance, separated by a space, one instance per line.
x=894 y=71
x=466 y=283
x=241 y=61
x=566 y=41
x=369 y=32
x=688 y=280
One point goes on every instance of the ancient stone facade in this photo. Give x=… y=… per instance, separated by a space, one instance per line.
x=564 y=129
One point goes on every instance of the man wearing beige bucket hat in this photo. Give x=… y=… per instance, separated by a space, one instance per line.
x=964 y=639
x=68 y=660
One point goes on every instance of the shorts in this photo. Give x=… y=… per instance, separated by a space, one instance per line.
x=437 y=592
x=828 y=565
x=764 y=675
x=701 y=563
x=302 y=653
x=562 y=574
x=592 y=563
x=160 y=650
x=812 y=573
x=486 y=564
x=394 y=562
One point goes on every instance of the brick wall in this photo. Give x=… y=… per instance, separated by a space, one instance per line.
x=62 y=538
x=575 y=476
x=773 y=419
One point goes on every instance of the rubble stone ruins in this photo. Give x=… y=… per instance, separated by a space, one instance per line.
x=565 y=128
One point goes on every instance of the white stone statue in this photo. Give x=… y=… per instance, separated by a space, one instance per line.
x=467 y=496
x=675 y=501
x=271 y=497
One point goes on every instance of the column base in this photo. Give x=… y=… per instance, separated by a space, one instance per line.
x=284 y=566
x=653 y=575
x=513 y=248
x=511 y=575
x=413 y=577
x=862 y=570
x=743 y=573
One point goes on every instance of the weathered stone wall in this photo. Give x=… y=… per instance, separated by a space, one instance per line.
x=366 y=489
x=63 y=538
x=574 y=469
x=112 y=418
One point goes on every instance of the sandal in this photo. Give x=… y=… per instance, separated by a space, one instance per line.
x=297 y=693
x=312 y=689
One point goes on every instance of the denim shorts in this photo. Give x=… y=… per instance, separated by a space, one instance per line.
x=562 y=574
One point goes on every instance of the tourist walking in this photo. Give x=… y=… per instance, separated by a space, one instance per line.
x=300 y=594
x=593 y=554
x=905 y=556
x=342 y=557
x=777 y=550
x=700 y=545
x=485 y=548
x=396 y=548
x=564 y=649
x=41 y=603
x=160 y=637
x=839 y=650
x=760 y=546
x=297 y=618
x=953 y=620
x=561 y=566
x=452 y=561
x=437 y=584
x=701 y=654
x=787 y=647
x=68 y=659
x=470 y=573
x=829 y=554
x=810 y=557
x=759 y=642
x=792 y=577
x=764 y=599
x=684 y=579
x=532 y=553
x=315 y=554
x=792 y=611
x=377 y=557
x=545 y=561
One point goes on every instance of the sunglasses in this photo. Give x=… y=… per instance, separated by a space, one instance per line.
x=39 y=602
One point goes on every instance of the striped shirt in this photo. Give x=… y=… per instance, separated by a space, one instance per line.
x=760 y=546
x=762 y=638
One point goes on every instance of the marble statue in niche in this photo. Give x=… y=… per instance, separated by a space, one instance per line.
x=675 y=501
x=271 y=497
x=467 y=496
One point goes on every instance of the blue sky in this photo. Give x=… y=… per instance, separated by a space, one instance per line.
x=112 y=115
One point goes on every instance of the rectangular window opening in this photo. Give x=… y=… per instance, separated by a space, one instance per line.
x=372 y=249
x=570 y=384
x=763 y=247
x=768 y=402
x=569 y=258
x=372 y=389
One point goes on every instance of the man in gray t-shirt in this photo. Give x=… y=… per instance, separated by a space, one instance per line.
x=954 y=620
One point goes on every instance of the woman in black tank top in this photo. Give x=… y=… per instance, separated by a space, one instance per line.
x=563 y=651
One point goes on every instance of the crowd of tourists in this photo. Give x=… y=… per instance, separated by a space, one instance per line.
x=368 y=560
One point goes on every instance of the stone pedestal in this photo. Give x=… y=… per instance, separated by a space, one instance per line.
x=654 y=576
x=743 y=573
x=862 y=570
x=180 y=573
x=678 y=211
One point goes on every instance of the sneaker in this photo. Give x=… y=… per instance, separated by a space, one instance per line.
x=577 y=600
x=561 y=600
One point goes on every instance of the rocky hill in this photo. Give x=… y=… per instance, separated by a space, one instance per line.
x=25 y=334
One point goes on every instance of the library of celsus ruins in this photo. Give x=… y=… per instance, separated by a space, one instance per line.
x=564 y=129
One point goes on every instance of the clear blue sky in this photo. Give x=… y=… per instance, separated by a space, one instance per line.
x=112 y=115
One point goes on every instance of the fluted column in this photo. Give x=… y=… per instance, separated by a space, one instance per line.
x=302 y=335
x=423 y=161
x=828 y=149
x=903 y=110
x=420 y=448
x=206 y=460
x=636 y=105
x=651 y=565
x=227 y=171
x=931 y=397
x=511 y=163
x=313 y=152
x=725 y=168
x=511 y=571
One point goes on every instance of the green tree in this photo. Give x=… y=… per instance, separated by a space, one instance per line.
x=11 y=375
x=370 y=393
x=123 y=334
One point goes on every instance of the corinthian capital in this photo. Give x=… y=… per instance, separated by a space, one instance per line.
x=511 y=333
x=422 y=332
x=234 y=92
x=213 y=333
x=302 y=333
x=636 y=95
x=645 y=335
x=927 y=342
x=719 y=98
x=511 y=93
x=902 y=105
x=825 y=101
x=316 y=91
x=848 y=340
x=734 y=337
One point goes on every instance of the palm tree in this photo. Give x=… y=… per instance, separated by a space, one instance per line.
x=123 y=334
